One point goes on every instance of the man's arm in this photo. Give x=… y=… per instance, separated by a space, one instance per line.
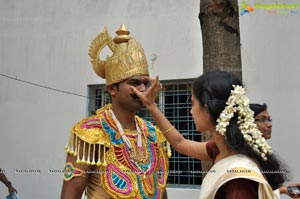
x=165 y=194
x=74 y=187
x=75 y=182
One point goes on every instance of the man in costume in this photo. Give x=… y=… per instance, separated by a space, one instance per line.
x=114 y=153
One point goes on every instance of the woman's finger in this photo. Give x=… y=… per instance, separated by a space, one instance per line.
x=136 y=91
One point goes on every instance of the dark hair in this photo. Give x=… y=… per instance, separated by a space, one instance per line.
x=213 y=89
x=258 y=108
x=117 y=85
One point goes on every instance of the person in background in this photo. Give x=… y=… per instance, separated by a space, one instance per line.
x=263 y=121
x=7 y=183
x=115 y=154
x=237 y=149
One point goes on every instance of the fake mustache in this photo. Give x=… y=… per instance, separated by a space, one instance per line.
x=134 y=96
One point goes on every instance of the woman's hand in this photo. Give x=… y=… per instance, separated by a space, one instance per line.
x=148 y=97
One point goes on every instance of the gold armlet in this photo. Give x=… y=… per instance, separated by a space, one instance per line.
x=70 y=171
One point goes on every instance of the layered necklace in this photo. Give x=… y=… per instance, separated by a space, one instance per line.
x=139 y=155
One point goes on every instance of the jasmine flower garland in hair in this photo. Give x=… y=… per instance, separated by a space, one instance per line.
x=238 y=102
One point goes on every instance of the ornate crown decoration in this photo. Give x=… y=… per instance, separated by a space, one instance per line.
x=128 y=58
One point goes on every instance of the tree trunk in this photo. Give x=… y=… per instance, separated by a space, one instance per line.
x=219 y=20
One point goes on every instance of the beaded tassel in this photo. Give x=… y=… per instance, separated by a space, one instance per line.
x=78 y=153
x=89 y=154
x=99 y=155
x=71 y=144
x=104 y=161
x=83 y=157
x=67 y=147
x=94 y=148
x=169 y=152
x=76 y=147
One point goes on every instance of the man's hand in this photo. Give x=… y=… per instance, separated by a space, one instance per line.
x=11 y=189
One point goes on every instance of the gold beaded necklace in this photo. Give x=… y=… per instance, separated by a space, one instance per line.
x=137 y=156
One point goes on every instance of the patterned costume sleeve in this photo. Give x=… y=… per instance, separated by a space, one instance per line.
x=87 y=135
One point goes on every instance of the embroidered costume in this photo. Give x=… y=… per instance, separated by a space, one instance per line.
x=127 y=164
x=121 y=176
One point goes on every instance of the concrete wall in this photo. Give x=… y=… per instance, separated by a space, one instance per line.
x=46 y=42
x=270 y=57
x=271 y=66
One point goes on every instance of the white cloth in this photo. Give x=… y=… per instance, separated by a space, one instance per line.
x=233 y=167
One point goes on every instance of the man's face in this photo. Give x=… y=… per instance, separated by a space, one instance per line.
x=125 y=97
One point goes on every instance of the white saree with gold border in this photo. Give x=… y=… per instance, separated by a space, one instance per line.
x=233 y=167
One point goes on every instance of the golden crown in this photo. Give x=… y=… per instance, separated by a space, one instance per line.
x=128 y=58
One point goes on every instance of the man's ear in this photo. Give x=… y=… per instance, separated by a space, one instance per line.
x=111 y=89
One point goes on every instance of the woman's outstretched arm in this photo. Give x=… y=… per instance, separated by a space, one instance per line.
x=187 y=147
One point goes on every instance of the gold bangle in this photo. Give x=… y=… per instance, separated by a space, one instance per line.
x=170 y=129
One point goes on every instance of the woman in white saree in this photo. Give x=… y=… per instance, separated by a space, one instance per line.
x=244 y=167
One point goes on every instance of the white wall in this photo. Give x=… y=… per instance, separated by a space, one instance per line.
x=271 y=68
x=46 y=42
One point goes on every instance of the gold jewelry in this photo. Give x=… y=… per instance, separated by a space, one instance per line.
x=70 y=172
x=168 y=130
x=137 y=156
x=128 y=58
